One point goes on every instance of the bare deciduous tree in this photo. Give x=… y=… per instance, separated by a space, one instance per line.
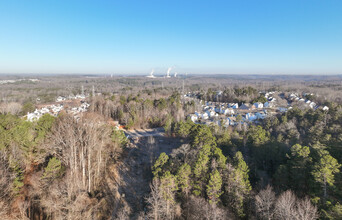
x=83 y=145
x=264 y=202
x=13 y=108
x=199 y=208
x=285 y=206
x=289 y=207
x=305 y=210
x=155 y=201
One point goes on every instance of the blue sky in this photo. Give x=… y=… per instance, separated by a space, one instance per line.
x=225 y=37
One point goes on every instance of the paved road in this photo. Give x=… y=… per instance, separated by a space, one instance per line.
x=159 y=132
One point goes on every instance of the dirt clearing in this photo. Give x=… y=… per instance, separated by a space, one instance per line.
x=135 y=171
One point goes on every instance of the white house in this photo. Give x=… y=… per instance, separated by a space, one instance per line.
x=78 y=96
x=272 y=99
x=227 y=122
x=258 y=105
x=250 y=117
x=210 y=113
x=292 y=95
x=325 y=108
x=206 y=108
x=44 y=110
x=312 y=105
x=230 y=121
x=32 y=117
x=205 y=116
x=60 y=99
x=228 y=111
x=193 y=117
x=233 y=105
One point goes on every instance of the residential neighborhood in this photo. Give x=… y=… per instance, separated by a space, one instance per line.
x=77 y=106
x=7 y=81
x=231 y=114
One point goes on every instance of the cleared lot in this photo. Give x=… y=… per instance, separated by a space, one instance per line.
x=155 y=132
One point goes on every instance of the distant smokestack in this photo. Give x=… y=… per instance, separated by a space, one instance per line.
x=151 y=74
x=168 y=72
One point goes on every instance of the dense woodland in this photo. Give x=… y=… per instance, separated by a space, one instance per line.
x=284 y=167
x=54 y=168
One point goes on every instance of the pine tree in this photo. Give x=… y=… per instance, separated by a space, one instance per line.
x=299 y=167
x=220 y=158
x=183 y=128
x=43 y=126
x=257 y=135
x=157 y=167
x=202 y=135
x=167 y=125
x=237 y=184
x=53 y=170
x=183 y=177
x=168 y=184
x=214 y=187
x=200 y=169
x=243 y=170
x=325 y=169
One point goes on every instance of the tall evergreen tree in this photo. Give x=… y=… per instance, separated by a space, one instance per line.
x=168 y=184
x=299 y=167
x=325 y=169
x=157 y=167
x=220 y=158
x=214 y=187
x=200 y=169
x=201 y=135
x=243 y=170
x=183 y=178
x=237 y=184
